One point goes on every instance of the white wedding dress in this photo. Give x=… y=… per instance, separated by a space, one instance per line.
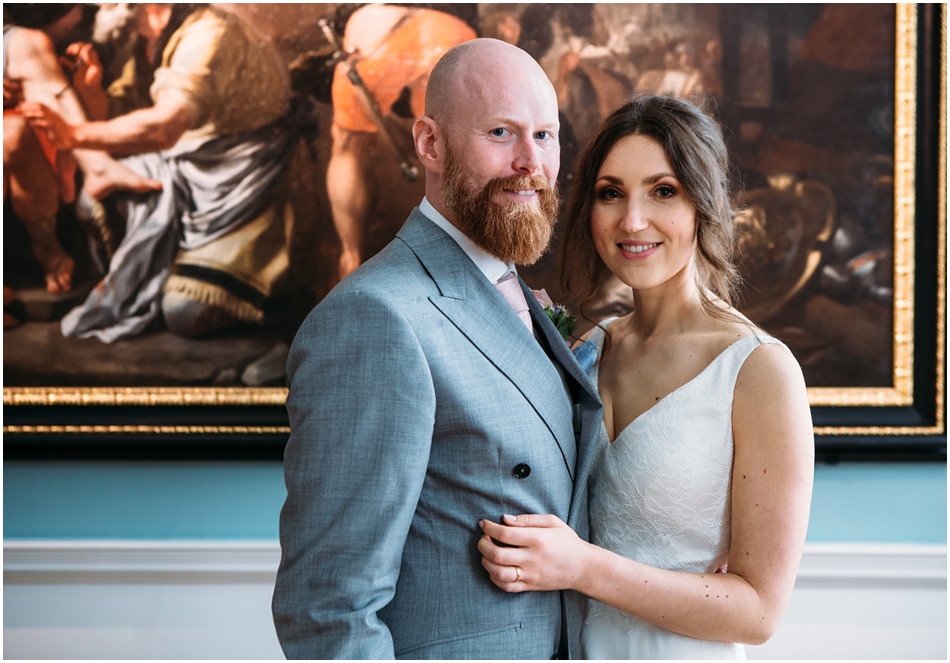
x=660 y=494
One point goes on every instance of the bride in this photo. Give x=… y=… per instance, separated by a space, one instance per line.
x=699 y=501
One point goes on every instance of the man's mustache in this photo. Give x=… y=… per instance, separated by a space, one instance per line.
x=518 y=183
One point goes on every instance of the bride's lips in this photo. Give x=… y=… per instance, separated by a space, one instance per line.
x=638 y=250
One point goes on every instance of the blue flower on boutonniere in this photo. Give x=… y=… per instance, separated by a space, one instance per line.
x=562 y=319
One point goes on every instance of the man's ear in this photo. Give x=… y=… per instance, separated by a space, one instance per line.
x=429 y=141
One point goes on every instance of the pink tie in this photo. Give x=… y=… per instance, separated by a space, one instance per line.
x=510 y=289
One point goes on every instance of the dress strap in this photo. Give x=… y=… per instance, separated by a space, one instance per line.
x=730 y=362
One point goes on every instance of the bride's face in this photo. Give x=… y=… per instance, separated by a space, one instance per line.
x=643 y=224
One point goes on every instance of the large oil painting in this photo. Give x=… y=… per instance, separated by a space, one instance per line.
x=820 y=104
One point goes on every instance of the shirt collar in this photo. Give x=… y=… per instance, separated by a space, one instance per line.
x=489 y=265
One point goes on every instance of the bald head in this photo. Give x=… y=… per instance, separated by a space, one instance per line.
x=479 y=66
x=491 y=120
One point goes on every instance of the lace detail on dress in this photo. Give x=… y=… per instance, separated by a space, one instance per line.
x=660 y=493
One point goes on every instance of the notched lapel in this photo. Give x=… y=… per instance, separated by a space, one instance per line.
x=443 y=259
x=590 y=412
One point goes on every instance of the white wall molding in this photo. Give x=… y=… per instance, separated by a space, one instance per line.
x=822 y=563
x=177 y=558
x=864 y=565
x=211 y=600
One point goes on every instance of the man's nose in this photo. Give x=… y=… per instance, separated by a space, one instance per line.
x=527 y=159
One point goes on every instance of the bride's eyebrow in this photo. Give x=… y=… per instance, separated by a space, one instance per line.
x=653 y=179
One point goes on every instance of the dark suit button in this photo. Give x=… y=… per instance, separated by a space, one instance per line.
x=521 y=471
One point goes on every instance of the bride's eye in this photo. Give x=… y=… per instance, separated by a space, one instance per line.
x=607 y=193
x=665 y=191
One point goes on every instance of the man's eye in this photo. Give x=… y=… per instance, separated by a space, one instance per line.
x=543 y=135
x=500 y=131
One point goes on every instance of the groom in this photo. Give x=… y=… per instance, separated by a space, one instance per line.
x=421 y=400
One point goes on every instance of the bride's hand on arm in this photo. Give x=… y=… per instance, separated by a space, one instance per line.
x=546 y=553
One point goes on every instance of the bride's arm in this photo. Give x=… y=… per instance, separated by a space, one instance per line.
x=771 y=493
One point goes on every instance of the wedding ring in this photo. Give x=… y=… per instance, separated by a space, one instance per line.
x=518 y=574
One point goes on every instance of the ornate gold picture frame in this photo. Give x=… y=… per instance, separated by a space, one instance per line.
x=907 y=408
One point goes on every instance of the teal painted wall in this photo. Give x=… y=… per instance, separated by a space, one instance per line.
x=852 y=503
x=141 y=500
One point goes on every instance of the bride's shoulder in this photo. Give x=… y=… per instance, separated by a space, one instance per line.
x=771 y=381
x=730 y=325
x=722 y=332
x=734 y=334
x=768 y=361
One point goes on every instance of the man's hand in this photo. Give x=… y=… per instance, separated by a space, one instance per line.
x=61 y=134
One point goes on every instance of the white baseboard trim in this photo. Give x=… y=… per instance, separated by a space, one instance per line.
x=876 y=565
x=823 y=564
x=27 y=562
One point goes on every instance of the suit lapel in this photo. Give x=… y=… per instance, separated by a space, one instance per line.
x=589 y=409
x=479 y=312
x=558 y=345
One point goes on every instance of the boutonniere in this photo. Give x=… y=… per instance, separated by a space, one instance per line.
x=562 y=319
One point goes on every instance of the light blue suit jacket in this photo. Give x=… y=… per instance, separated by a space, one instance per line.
x=417 y=399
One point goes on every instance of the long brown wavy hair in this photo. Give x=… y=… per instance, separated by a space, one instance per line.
x=694 y=147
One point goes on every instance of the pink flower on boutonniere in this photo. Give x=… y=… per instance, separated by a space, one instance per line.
x=544 y=299
x=562 y=319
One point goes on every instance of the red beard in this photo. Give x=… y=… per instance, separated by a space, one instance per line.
x=512 y=231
